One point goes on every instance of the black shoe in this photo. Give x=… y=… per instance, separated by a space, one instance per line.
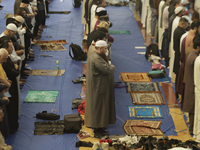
x=26 y=69
x=103 y=131
x=1 y=7
x=98 y=135
x=23 y=77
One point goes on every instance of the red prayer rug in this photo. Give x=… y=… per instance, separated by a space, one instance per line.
x=169 y=95
x=135 y=77
x=142 y=127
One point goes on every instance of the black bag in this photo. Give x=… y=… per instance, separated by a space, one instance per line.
x=76 y=102
x=152 y=49
x=73 y=123
x=76 y=3
x=47 y=116
x=78 y=53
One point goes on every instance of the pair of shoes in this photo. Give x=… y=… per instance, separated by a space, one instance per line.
x=84 y=144
x=80 y=79
x=1 y=7
x=98 y=135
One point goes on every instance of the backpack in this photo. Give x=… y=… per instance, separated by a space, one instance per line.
x=76 y=3
x=78 y=53
x=152 y=49
x=73 y=123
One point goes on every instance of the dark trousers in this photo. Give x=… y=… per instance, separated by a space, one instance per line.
x=42 y=17
x=27 y=42
x=47 y=6
x=165 y=47
x=37 y=24
x=191 y=119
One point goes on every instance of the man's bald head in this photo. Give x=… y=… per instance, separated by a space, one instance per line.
x=3 y=55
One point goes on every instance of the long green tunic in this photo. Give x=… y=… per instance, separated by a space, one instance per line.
x=100 y=101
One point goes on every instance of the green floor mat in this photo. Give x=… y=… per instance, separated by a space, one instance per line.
x=119 y=32
x=41 y=96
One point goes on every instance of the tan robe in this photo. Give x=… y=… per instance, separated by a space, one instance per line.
x=99 y=103
x=196 y=129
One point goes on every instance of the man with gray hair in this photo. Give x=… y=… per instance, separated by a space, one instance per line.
x=100 y=101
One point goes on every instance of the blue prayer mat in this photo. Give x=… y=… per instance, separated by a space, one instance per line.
x=144 y=112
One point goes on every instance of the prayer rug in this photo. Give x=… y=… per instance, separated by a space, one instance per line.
x=52 y=47
x=52 y=42
x=144 y=112
x=135 y=77
x=59 y=12
x=41 y=96
x=46 y=72
x=119 y=32
x=143 y=87
x=169 y=95
x=139 y=98
x=142 y=127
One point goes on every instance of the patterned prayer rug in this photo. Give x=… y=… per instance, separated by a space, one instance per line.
x=135 y=77
x=142 y=127
x=169 y=95
x=143 y=87
x=139 y=98
x=52 y=42
x=119 y=32
x=52 y=47
x=41 y=96
x=144 y=111
x=45 y=72
x=59 y=12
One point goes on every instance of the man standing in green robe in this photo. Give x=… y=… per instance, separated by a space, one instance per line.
x=100 y=101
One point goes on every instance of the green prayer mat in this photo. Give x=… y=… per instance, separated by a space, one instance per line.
x=41 y=96
x=59 y=12
x=119 y=32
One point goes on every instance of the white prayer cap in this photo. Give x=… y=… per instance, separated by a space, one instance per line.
x=101 y=43
x=19 y=19
x=188 y=18
x=99 y=9
x=12 y=27
x=178 y=9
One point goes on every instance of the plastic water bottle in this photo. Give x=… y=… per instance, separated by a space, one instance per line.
x=57 y=65
x=149 y=58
